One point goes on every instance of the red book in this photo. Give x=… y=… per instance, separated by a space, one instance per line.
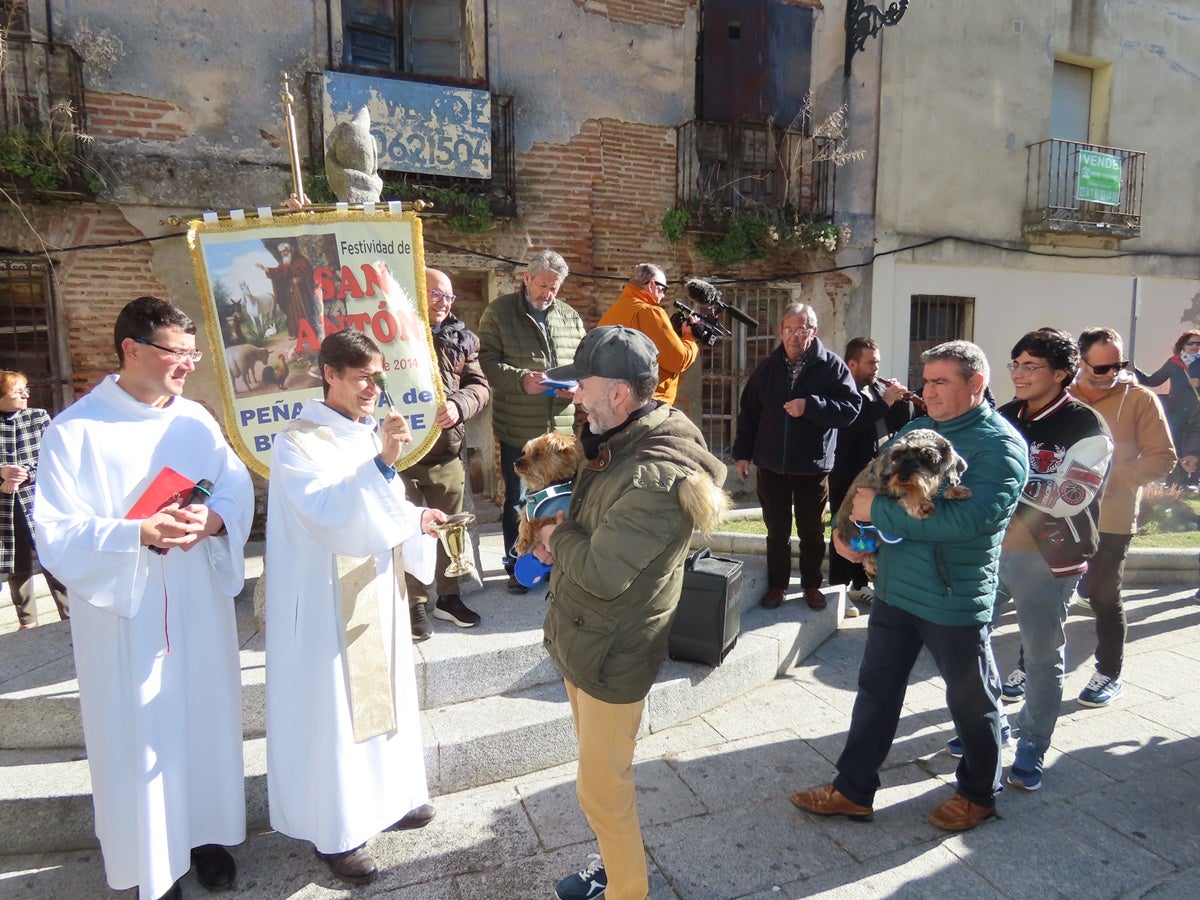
x=167 y=487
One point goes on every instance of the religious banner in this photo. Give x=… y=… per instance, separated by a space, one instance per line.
x=272 y=289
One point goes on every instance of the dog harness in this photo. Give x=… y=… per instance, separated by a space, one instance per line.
x=868 y=543
x=550 y=500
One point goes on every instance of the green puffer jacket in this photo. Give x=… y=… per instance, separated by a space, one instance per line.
x=944 y=571
x=511 y=345
x=618 y=559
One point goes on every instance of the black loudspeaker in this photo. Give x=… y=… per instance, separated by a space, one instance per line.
x=707 y=620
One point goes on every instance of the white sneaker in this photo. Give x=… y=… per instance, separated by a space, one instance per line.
x=862 y=595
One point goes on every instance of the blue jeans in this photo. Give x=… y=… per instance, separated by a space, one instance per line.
x=514 y=493
x=963 y=654
x=1042 y=602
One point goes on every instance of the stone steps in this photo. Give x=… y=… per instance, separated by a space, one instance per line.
x=493 y=704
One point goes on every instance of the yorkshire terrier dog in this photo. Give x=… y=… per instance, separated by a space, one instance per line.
x=547 y=467
x=910 y=470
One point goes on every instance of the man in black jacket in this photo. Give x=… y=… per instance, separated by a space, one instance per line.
x=438 y=481
x=884 y=411
x=791 y=409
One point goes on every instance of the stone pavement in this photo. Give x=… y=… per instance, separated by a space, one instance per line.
x=1118 y=815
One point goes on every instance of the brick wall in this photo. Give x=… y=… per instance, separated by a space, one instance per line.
x=95 y=284
x=116 y=116
x=638 y=12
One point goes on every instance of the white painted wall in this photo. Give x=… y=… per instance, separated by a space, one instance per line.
x=1010 y=302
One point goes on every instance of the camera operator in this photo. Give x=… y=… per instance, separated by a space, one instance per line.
x=640 y=307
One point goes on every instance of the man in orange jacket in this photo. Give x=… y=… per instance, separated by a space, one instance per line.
x=640 y=307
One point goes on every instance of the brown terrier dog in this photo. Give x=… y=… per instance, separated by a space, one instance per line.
x=910 y=470
x=548 y=460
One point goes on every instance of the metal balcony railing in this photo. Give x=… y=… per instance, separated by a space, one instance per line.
x=1051 y=192
x=42 y=117
x=725 y=167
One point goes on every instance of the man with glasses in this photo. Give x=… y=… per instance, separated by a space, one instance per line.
x=438 y=481
x=521 y=335
x=640 y=307
x=155 y=640
x=791 y=408
x=1142 y=453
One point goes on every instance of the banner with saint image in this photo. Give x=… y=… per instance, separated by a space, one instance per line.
x=274 y=287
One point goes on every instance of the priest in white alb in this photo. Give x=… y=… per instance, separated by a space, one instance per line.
x=155 y=639
x=344 y=750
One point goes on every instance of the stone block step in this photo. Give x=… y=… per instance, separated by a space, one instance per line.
x=45 y=794
x=39 y=697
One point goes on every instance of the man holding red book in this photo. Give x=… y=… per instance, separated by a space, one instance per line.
x=155 y=639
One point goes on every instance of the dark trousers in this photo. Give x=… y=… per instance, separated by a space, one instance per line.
x=785 y=496
x=20 y=579
x=963 y=655
x=437 y=486
x=514 y=493
x=842 y=570
x=1101 y=584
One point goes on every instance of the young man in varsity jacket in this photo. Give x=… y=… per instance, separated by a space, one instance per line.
x=1052 y=534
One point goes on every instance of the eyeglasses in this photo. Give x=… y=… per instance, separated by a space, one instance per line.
x=1192 y=344
x=1104 y=370
x=662 y=287
x=1025 y=368
x=803 y=329
x=442 y=295
x=177 y=355
x=19 y=392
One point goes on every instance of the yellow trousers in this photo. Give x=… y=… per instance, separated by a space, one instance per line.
x=607 y=735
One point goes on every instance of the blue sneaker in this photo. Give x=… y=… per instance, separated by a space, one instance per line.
x=585 y=885
x=1026 y=771
x=955 y=748
x=1101 y=691
x=1013 y=689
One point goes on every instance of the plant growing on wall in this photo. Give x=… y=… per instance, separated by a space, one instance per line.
x=47 y=156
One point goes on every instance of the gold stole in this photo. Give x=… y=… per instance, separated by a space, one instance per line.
x=372 y=706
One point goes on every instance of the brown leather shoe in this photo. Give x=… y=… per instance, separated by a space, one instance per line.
x=355 y=866
x=417 y=818
x=773 y=597
x=814 y=598
x=829 y=801
x=960 y=814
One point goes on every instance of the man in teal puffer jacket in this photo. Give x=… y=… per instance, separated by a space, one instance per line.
x=646 y=480
x=936 y=589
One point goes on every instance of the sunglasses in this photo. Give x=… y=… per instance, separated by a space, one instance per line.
x=1104 y=370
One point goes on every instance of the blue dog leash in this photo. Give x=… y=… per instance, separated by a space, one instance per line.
x=864 y=541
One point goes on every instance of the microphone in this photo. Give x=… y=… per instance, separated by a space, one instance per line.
x=200 y=492
x=705 y=292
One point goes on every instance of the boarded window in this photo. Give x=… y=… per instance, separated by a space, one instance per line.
x=755 y=61
x=935 y=319
x=431 y=38
x=28 y=335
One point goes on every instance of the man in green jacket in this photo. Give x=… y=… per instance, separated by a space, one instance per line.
x=936 y=589
x=521 y=335
x=646 y=480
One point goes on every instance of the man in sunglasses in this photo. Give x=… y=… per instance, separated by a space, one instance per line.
x=640 y=307
x=1142 y=453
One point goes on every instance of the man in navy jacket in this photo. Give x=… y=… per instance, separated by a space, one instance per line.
x=791 y=409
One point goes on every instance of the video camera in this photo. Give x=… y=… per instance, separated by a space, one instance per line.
x=706 y=325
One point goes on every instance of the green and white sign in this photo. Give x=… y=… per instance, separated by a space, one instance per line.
x=1099 y=178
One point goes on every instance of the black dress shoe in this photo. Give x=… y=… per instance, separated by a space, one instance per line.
x=514 y=586
x=355 y=866
x=215 y=868
x=418 y=818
